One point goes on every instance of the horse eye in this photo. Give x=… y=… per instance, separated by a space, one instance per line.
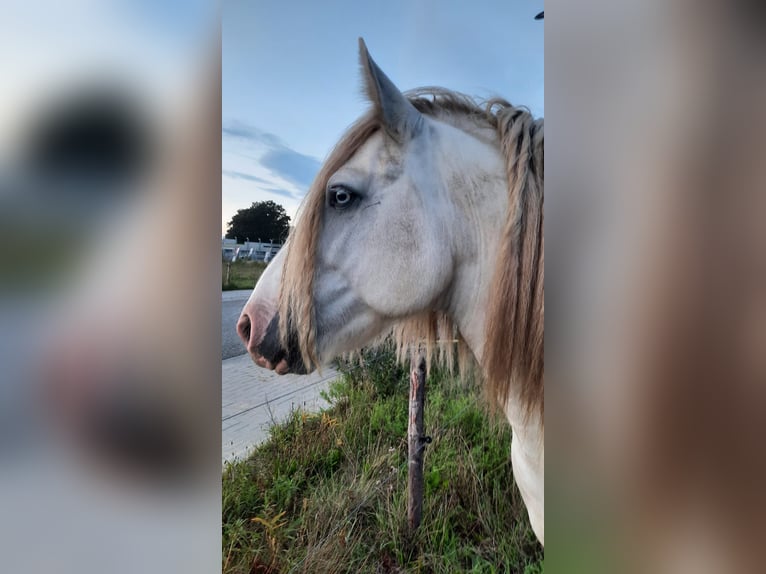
x=340 y=197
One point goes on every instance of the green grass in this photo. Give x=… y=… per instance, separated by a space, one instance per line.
x=242 y=274
x=327 y=493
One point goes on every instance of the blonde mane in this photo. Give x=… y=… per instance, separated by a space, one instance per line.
x=515 y=325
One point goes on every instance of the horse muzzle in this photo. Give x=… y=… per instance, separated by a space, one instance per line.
x=267 y=351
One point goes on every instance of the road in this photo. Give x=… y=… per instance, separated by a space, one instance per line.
x=231 y=306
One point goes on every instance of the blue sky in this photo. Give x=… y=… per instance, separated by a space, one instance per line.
x=291 y=83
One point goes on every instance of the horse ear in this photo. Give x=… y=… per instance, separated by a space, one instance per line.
x=400 y=118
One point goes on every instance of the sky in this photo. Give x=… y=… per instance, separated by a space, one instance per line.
x=291 y=81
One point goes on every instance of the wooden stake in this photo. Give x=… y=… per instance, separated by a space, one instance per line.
x=416 y=440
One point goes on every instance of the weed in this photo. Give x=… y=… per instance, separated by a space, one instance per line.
x=240 y=274
x=327 y=493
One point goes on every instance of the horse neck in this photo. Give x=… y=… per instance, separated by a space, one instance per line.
x=479 y=191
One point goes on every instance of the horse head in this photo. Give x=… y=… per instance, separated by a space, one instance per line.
x=378 y=236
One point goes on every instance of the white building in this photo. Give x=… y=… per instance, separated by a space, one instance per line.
x=248 y=250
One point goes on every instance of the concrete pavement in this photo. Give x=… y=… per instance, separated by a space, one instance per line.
x=254 y=398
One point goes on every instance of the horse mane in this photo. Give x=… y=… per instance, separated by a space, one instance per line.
x=513 y=353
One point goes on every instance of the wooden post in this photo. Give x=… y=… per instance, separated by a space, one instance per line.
x=416 y=440
x=228 y=271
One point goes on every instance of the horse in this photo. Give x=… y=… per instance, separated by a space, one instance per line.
x=425 y=222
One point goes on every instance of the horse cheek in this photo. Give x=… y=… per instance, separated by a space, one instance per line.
x=408 y=277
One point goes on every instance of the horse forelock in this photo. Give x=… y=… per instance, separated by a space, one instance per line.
x=514 y=334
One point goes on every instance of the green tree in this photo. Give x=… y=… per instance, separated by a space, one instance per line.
x=263 y=220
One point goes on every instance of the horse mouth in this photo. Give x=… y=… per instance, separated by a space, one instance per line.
x=281 y=368
x=265 y=346
x=270 y=354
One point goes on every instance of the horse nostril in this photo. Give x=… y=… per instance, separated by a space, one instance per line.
x=244 y=328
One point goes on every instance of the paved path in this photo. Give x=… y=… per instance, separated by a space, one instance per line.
x=252 y=398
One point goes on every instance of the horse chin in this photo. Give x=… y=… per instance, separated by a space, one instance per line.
x=281 y=365
x=272 y=355
x=291 y=367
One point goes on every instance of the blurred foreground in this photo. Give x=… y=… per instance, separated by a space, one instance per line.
x=656 y=286
x=109 y=397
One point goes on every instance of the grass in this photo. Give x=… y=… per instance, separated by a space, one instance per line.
x=241 y=274
x=327 y=493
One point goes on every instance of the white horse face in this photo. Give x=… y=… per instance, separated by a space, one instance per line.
x=383 y=251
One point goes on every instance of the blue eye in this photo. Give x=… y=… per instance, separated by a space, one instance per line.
x=340 y=197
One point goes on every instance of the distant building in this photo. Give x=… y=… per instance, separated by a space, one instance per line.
x=248 y=250
x=229 y=249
